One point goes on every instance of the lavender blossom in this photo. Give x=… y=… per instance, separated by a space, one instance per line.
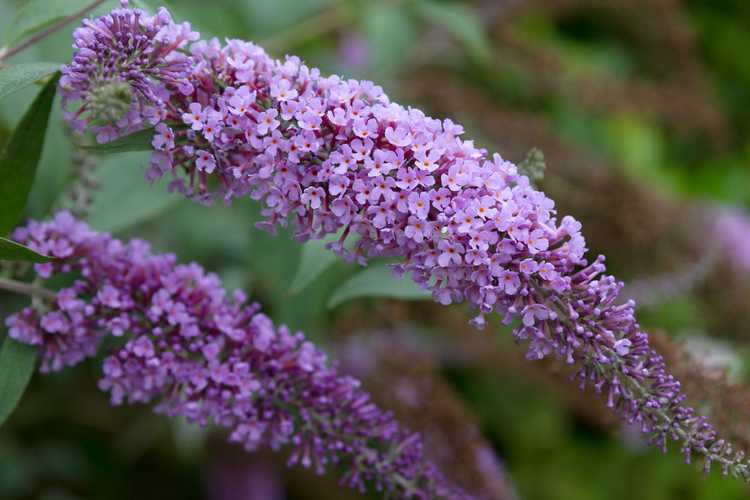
x=732 y=228
x=186 y=346
x=337 y=155
x=354 y=51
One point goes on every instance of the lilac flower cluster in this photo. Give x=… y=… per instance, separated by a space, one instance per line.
x=337 y=155
x=182 y=343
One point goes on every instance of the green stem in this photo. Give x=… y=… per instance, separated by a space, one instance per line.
x=6 y=54
x=26 y=289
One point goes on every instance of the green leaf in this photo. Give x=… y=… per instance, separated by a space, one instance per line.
x=137 y=141
x=18 y=76
x=125 y=198
x=270 y=18
x=36 y=15
x=461 y=21
x=315 y=259
x=10 y=250
x=390 y=32
x=19 y=160
x=377 y=281
x=17 y=363
x=147 y=5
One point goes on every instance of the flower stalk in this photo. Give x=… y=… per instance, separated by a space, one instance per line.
x=22 y=288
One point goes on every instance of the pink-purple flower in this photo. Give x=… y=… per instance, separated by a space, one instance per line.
x=488 y=237
x=732 y=231
x=192 y=350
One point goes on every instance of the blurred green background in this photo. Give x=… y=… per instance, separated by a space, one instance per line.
x=642 y=96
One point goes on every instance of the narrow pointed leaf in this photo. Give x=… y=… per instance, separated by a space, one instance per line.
x=389 y=32
x=18 y=76
x=10 y=250
x=461 y=21
x=137 y=141
x=315 y=260
x=19 y=160
x=377 y=281
x=124 y=198
x=17 y=363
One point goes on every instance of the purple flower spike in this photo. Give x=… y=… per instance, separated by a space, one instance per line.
x=343 y=157
x=195 y=352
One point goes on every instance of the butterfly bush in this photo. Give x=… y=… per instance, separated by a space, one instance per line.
x=183 y=344
x=337 y=156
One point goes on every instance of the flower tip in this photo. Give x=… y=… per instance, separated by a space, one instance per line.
x=478 y=322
